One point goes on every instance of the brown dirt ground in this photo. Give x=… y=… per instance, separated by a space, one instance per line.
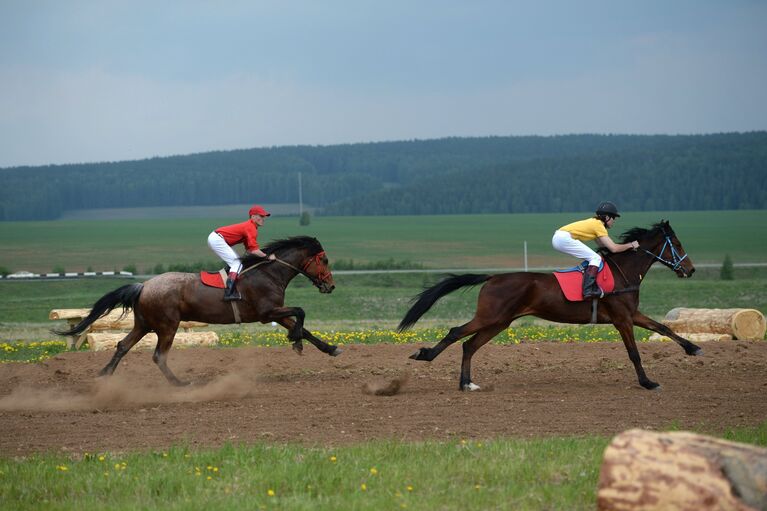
x=270 y=394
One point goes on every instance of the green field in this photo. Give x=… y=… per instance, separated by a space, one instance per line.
x=532 y=474
x=447 y=241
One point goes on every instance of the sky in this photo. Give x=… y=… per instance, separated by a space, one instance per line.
x=100 y=80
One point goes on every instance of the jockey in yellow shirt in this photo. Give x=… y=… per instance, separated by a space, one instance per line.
x=569 y=240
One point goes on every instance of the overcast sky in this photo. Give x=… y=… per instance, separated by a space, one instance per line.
x=86 y=81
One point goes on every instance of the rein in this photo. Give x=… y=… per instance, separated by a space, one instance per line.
x=676 y=260
x=322 y=276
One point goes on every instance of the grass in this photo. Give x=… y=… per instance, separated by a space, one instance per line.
x=545 y=473
x=447 y=241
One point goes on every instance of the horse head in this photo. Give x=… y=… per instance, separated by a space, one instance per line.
x=662 y=244
x=305 y=255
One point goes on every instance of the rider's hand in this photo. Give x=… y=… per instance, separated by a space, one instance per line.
x=634 y=245
x=272 y=257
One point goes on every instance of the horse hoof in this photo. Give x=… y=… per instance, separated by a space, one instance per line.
x=335 y=352
x=650 y=385
x=181 y=383
x=298 y=349
x=419 y=355
x=697 y=352
x=471 y=387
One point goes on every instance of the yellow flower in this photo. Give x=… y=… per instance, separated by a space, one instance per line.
x=333 y=459
x=373 y=471
x=363 y=487
x=270 y=492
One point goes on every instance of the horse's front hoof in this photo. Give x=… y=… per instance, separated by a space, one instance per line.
x=180 y=383
x=335 y=352
x=470 y=387
x=421 y=354
x=298 y=348
x=695 y=352
x=650 y=385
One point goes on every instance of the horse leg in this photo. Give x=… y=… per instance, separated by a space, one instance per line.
x=470 y=347
x=453 y=335
x=649 y=324
x=321 y=345
x=626 y=329
x=124 y=347
x=294 y=327
x=160 y=356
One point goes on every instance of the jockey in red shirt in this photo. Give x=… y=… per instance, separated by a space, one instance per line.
x=222 y=239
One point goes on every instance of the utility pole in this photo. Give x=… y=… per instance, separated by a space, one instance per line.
x=300 y=197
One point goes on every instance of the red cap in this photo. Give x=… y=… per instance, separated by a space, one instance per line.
x=258 y=210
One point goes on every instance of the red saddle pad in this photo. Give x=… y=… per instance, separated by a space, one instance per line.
x=212 y=279
x=571 y=282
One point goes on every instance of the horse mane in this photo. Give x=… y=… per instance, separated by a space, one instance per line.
x=638 y=233
x=277 y=246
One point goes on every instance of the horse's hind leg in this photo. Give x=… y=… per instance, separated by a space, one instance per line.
x=470 y=347
x=123 y=347
x=453 y=335
x=650 y=324
x=160 y=356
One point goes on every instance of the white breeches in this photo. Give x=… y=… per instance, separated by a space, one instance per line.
x=224 y=251
x=565 y=243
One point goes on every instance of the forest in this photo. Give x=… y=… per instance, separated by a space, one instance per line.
x=450 y=175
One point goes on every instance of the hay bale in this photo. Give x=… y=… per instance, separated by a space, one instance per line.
x=693 y=337
x=740 y=323
x=106 y=341
x=644 y=470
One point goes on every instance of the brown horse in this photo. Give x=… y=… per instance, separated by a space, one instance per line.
x=160 y=303
x=508 y=296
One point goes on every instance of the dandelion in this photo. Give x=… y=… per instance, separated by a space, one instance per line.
x=363 y=487
x=333 y=459
x=270 y=492
x=373 y=471
x=62 y=468
x=409 y=488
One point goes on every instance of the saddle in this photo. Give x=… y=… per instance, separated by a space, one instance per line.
x=571 y=280
x=214 y=279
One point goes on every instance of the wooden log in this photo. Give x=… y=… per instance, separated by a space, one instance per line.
x=105 y=341
x=115 y=320
x=694 y=337
x=644 y=470
x=740 y=323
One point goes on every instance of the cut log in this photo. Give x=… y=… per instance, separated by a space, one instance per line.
x=693 y=337
x=740 y=323
x=106 y=341
x=644 y=470
x=115 y=320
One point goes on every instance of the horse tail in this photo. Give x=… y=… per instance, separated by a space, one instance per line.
x=127 y=296
x=429 y=297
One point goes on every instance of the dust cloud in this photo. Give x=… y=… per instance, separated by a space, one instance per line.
x=120 y=392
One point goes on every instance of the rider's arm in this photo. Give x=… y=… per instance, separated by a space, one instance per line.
x=261 y=253
x=609 y=244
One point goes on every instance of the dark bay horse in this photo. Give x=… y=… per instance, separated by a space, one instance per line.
x=506 y=297
x=160 y=303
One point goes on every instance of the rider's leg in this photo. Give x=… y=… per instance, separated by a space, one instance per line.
x=230 y=257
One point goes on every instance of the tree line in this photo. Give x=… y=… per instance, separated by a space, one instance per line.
x=451 y=175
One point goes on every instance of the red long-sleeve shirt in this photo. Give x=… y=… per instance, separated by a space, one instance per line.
x=244 y=232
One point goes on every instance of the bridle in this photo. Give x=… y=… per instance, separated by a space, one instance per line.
x=323 y=273
x=676 y=260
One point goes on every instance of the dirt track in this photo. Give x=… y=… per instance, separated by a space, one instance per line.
x=271 y=394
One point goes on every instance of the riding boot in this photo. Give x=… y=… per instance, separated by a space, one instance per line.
x=590 y=287
x=231 y=293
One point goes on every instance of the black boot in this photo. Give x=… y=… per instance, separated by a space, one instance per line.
x=231 y=294
x=590 y=287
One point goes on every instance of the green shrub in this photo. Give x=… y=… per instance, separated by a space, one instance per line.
x=726 y=273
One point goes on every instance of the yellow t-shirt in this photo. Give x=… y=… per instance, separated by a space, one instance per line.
x=586 y=230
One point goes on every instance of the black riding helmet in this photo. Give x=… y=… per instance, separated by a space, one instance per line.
x=607 y=208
